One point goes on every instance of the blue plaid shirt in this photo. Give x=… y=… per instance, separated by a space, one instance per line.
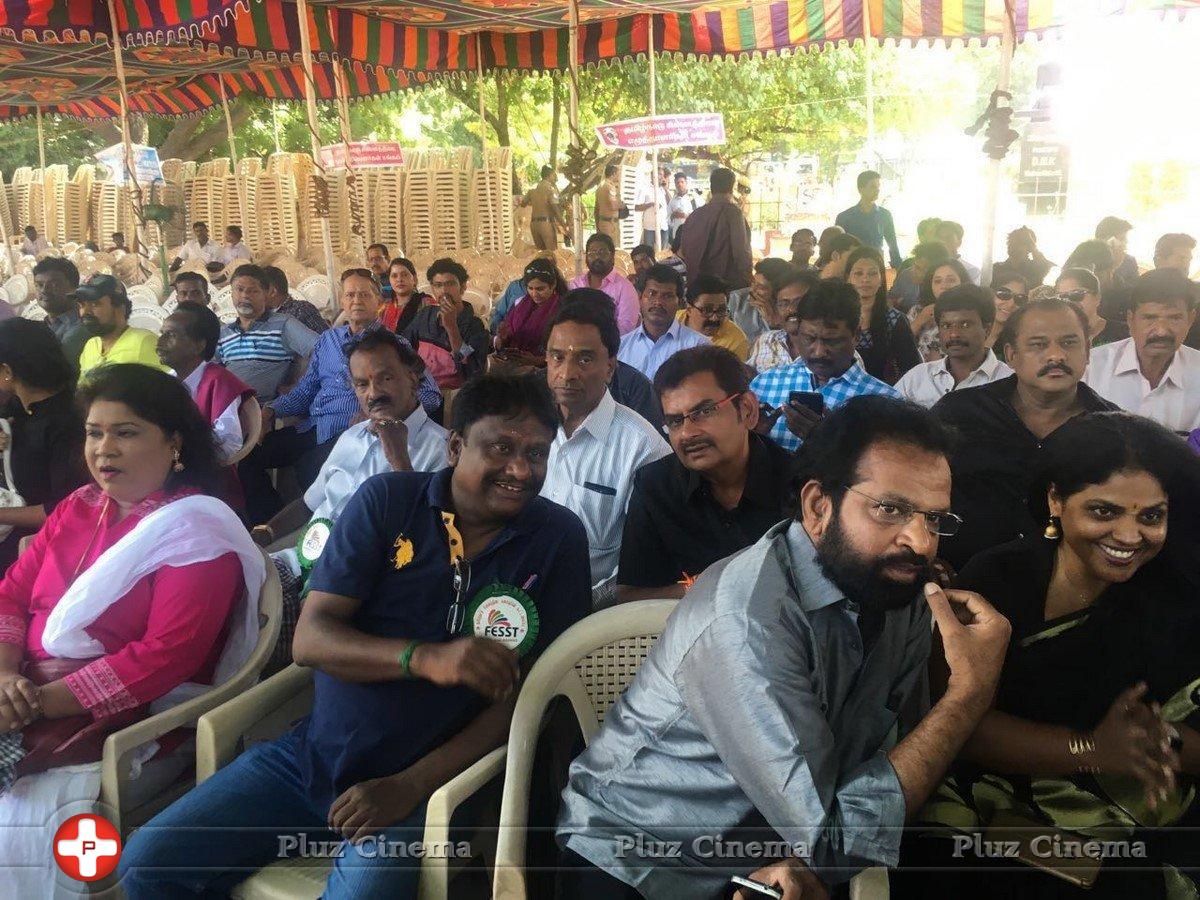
x=325 y=397
x=775 y=385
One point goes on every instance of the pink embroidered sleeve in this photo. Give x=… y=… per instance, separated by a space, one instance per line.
x=16 y=588
x=187 y=616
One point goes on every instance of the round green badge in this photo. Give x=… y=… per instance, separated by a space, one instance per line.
x=312 y=542
x=504 y=613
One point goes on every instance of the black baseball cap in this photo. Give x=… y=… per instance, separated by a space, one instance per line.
x=100 y=286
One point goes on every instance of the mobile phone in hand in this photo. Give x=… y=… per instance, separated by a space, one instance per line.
x=810 y=400
x=756 y=888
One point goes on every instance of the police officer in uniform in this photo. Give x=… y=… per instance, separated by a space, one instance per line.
x=609 y=205
x=546 y=218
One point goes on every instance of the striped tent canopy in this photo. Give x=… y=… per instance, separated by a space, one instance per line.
x=56 y=53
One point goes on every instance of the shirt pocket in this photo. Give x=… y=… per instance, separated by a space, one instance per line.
x=599 y=511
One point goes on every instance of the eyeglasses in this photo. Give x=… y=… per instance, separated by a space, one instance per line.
x=1006 y=294
x=718 y=312
x=896 y=513
x=1075 y=295
x=696 y=416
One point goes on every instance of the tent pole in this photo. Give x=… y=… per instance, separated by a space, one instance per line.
x=358 y=223
x=42 y=166
x=139 y=244
x=310 y=105
x=233 y=155
x=651 y=54
x=573 y=118
x=869 y=77
x=10 y=252
x=1008 y=44
x=490 y=212
x=275 y=123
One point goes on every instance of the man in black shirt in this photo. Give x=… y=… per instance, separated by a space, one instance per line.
x=719 y=492
x=1002 y=425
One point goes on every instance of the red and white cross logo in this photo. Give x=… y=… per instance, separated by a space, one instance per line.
x=87 y=847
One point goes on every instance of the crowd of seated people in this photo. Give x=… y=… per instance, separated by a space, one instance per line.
x=933 y=541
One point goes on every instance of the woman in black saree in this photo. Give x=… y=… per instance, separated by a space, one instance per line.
x=1093 y=732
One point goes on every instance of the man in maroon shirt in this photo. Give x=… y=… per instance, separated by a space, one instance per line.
x=715 y=238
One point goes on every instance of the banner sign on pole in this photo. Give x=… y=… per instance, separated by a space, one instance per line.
x=675 y=130
x=363 y=155
x=146 y=164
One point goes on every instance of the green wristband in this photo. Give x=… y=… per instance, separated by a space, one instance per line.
x=406 y=656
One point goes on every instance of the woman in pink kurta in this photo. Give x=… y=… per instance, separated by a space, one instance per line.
x=138 y=589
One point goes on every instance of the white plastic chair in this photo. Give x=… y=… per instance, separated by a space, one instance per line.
x=117 y=785
x=590 y=664
x=266 y=711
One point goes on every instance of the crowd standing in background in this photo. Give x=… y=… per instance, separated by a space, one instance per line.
x=932 y=532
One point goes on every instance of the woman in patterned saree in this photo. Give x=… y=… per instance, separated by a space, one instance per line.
x=137 y=593
x=1093 y=732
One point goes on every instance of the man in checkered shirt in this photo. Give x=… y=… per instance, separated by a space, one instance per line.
x=829 y=323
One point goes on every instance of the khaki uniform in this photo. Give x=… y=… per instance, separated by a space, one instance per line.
x=608 y=205
x=543 y=225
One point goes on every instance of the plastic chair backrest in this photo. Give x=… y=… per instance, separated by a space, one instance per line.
x=590 y=664
x=250 y=416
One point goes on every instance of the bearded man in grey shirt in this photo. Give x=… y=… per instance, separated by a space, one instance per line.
x=780 y=728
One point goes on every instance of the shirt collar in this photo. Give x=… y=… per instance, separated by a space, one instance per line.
x=815 y=590
x=673 y=331
x=597 y=423
x=987 y=367
x=1127 y=361
x=192 y=382
x=760 y=488
x=67 y=317
x=527 y=521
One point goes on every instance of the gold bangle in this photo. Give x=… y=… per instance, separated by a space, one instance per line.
x=1083 y=745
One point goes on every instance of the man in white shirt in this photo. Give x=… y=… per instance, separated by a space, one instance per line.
x=396 y=435
x=600 y=443
x=652 y=204
x=33 y=245
x=659 y=336
x=234 y=249
x=682 y=204
x=1151 y=372
x=199 y=248
x=964 y=316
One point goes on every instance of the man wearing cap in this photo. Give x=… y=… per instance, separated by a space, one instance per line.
x=104 y=310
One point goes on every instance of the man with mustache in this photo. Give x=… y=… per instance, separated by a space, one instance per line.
x=1151 y=372
x=1003 y=424
x=827 y=365
x=659 y=336
x=786 y=700
x=54 y=278
x=104 y=309
x=261 y=346
x=708 y=313
x=435 y=592
x=396 y=435
x=600 y=443
x=600 y=254
x=964 y=317
x=717 y=493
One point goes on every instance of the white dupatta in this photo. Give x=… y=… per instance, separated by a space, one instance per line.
x=186 y=531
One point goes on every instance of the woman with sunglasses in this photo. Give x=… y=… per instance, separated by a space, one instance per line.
x=1012 y=292
x=940 y=278
x=521 y=338
x=1083 y=287
x=1092 y=734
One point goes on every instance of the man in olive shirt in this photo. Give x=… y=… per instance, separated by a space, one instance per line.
x=717 y=493
x=608 y=205
x=546 y=218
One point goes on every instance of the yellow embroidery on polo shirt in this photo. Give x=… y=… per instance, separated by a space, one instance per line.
x=456 y=541
x=404 y=552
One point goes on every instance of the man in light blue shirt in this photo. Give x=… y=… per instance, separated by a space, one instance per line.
x=780 y=728
x=870 y=222
x=828 y=328
x=658 y=336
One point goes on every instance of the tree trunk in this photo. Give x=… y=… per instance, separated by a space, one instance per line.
x=555 y=113
x=502 y=136
x=195 y=138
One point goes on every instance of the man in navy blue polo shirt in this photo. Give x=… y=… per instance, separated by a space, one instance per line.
x=432 y=594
